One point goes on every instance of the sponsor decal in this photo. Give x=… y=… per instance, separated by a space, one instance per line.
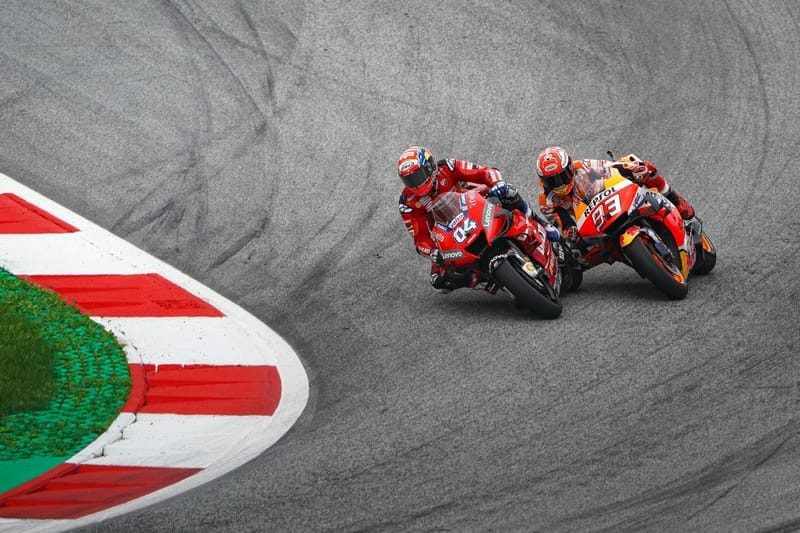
x=424 y=155
x=628 y=236
x=452 y=254
x=451 y=164
x=453 y=223
x=550 y=167
x=405 y=209
x=529 y=268
x=405 y=167
x=488 y=212
x=597 y=198
x=462 y=232
x=424 y=202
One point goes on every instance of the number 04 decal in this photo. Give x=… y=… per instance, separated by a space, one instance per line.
x=461 y=232
x=609 y=207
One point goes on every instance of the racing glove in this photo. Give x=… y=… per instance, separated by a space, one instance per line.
x=550 y=229
x=499 y=189
x=644 y=170
x=651 y=168
x=436 y=257
x=572 y=234
x=552 y=232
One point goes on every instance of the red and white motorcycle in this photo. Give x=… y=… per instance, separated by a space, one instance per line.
x=506 y=249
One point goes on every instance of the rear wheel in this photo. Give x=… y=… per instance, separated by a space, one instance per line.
x=541 y=301
x=571 y=278
x=571 y=271
x=706 y=256
x=662 y=273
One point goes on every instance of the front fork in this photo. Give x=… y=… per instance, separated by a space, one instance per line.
x=537 y=273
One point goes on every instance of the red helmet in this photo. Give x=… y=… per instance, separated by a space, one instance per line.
x=554 y=167
x=417 y=167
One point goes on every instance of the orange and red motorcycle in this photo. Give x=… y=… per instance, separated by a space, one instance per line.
x=506 y=249
x=642 y=228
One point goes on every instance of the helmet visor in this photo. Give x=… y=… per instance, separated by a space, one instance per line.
x=559 y=180
x=415 y=179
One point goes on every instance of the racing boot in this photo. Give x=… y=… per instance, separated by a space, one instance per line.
x=448 y=281
x=684 y=207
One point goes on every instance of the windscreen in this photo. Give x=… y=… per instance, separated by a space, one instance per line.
x=447 y=207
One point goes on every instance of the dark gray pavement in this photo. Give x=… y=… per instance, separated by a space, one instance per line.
x=253 y=145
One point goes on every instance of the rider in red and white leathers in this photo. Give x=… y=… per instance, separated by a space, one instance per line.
x=425 y=179
x=566 y=183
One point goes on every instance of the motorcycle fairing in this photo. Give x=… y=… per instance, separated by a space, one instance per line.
x=614 y=192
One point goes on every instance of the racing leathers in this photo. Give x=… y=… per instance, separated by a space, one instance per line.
x=560 y=210
x=415 y=212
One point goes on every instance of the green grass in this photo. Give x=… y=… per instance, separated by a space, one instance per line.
x=63 y=377
x=27 y=364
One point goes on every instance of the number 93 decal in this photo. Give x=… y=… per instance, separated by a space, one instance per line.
x=608 y=208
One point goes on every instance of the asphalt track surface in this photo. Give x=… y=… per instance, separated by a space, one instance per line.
x=252 y=145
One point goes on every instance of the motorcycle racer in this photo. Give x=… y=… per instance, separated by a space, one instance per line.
x=565 y=183
x=424 y=180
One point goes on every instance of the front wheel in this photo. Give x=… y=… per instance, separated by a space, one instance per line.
x=664 y=274
x=541 y=302
x=706 y=255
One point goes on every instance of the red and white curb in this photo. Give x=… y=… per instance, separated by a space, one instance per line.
x=212 y=386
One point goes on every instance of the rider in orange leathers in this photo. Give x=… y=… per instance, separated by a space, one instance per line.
x=565 y=183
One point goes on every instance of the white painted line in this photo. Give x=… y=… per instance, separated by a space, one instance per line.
x=12 y=525
x=183 y=441
x=58 y=254
x=112 y=434
x=201 y=340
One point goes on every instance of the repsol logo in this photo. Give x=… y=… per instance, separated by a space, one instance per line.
x=597 y=199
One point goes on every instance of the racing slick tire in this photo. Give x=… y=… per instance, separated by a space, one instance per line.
x=665 y=275
x=511 y=276
x=706 y=256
